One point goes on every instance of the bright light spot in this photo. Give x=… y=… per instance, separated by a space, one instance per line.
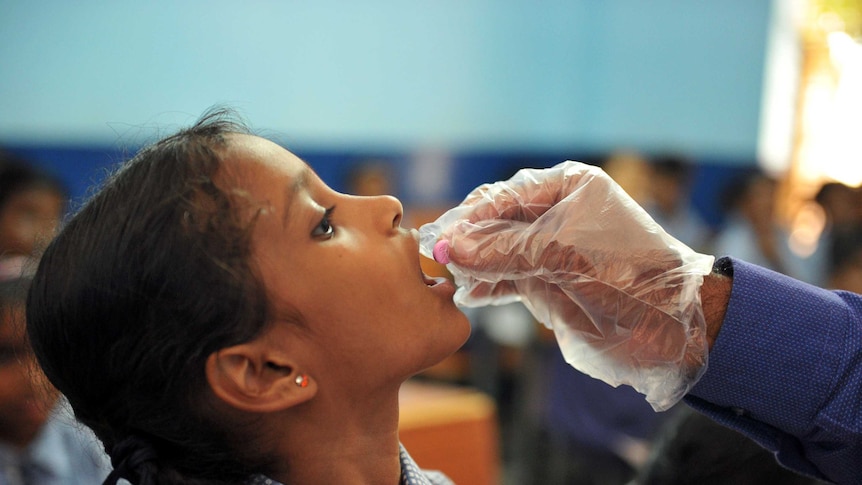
x=830 y=22
x=807 y=227
x=833 y=114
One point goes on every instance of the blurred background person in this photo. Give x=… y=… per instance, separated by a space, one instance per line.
x=598 y=434
x=631 y=171
x=693 y=449
x=752 y=233
x=669 y=202
x=848 y=276
x=40 y=442
x=32 y=203
x=369 y=177
x=842 y=235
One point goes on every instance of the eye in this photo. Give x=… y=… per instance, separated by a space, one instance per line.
x=324 y=229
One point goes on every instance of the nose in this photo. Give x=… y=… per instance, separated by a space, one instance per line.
x=389 y=210
x=397 y=210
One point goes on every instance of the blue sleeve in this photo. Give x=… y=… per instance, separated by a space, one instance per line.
x=786 y=370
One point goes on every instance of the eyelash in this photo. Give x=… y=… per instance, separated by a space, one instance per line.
x=326 y=224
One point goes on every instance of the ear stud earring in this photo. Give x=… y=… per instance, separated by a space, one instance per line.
x=301 y=380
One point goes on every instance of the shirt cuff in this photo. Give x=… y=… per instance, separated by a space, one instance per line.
x=775 y=358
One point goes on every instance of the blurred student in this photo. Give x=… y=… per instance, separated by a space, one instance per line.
x=631 y=171
x=603 y=433
x=751 y=232
x=842 y=236
x=669 y=202
x=32 y=203
x=371 y=177
x=40 y=443
x=694 y=449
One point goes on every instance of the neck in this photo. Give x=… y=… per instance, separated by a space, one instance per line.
x=334 y=439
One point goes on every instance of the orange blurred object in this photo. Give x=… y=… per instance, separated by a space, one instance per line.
x=451 y=429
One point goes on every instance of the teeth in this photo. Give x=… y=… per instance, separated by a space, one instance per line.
x=429 y=281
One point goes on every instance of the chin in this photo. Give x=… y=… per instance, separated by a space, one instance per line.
x=448 y=342
x=467 y=329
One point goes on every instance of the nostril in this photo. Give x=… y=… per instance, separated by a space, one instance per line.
x=393 y=206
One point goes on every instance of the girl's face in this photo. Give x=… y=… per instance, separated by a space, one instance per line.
x=344 y=264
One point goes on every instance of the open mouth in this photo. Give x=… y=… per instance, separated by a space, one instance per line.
x=429 y=281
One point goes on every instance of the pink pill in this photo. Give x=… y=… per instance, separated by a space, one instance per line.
x=441 y=251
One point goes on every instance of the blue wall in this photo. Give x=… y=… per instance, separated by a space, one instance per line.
x=479 y=74
x=492 y=82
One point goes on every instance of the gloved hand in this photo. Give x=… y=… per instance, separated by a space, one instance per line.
x=621 y=295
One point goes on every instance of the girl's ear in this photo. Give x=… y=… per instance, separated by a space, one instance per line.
x=257 y=377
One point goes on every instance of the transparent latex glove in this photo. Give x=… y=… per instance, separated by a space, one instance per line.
x=622 y=296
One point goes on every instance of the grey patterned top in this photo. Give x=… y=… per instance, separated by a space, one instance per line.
x=411 y=474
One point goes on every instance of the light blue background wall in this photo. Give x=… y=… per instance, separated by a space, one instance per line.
x=479 y=74
x=489 y=84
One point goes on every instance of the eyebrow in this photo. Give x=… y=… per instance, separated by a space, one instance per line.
x=299 y=183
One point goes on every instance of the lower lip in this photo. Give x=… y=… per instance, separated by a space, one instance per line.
x=443 y=286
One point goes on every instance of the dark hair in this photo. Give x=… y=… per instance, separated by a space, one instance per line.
x=692 y=448
x=831 y=188
x=671 y=165
x=740 y=187
x=18 y=175
x=150 y=277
